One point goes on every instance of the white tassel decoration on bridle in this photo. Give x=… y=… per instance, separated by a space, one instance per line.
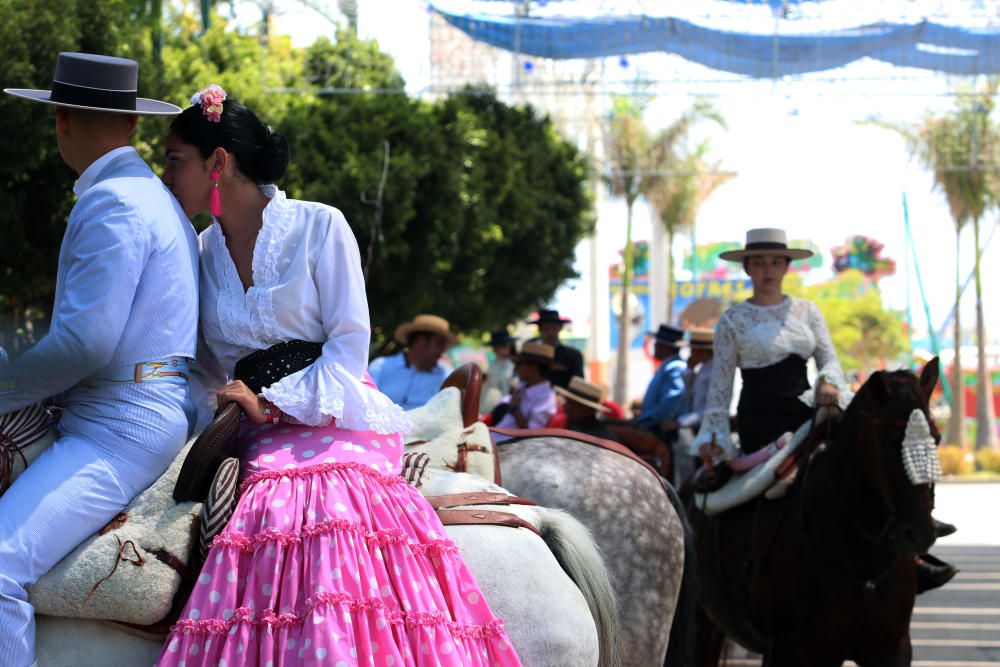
x=920 y=457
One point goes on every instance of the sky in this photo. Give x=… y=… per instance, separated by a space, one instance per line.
x=803 y=161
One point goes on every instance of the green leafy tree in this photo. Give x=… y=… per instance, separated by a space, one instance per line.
x=35 y=184
x=480 y=210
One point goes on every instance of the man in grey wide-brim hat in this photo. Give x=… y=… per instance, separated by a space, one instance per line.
x=124 y=325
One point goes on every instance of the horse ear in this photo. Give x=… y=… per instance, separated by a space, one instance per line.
x=929 y=378
x=878 y=387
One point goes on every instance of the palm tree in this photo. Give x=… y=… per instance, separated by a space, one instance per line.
x=630 y=155
x=676 y=197
x=638 y=162
x=961 y=147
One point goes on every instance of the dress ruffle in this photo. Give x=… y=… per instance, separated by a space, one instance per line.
x=333 y=561
x=323 y=392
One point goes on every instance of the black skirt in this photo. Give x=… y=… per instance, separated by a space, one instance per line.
x=769 y=402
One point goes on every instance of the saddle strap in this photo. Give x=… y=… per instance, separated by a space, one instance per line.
x=484 y=518
x=476 y=498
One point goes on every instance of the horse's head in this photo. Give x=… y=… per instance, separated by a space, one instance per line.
x=896 y=454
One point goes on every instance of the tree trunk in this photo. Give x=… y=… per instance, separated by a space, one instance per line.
x=621 y=366
x=956 y=425
x=670 y=277
x=986 y=432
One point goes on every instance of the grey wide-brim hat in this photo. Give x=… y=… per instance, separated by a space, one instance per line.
x=97 y=83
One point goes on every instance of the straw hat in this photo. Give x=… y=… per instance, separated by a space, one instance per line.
x=702 y=339
x=586 y=393
x=97 y=83
x=539 y=353
x=766 y=241
x=425 y=324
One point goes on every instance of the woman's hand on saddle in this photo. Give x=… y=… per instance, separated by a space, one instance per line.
x=237 y=392
x=710 y=452
x=827 y=394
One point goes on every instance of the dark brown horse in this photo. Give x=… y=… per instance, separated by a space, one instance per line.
x=826 y=574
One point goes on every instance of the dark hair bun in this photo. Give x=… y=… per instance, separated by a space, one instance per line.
x=271 y=159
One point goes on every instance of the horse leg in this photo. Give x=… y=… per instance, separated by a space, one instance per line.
x=708 y=641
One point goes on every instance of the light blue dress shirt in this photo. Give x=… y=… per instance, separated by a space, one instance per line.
x=407 y=386
x=664 y=397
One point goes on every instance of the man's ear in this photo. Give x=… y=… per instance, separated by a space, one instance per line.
x=63 y=122
x=133 y=123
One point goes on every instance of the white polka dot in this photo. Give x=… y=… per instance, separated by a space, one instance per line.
x=386 y=591
x=390 y=661
x=289 y=466
x=374 y=647
x=340 y=507
x=270 y=551
x=214 y=596
x=473 y=598
x=268 y=459
x=265 y=440
x=172 y=647
x=231 y=576
x=376 y=444
x=425 y=648
x=267 y=588
x=287 y=445
x=228 y=614
x=306 y=434
x=340 y=663
x=326 y=440
x=361 y=450
x=354 y=652
x=311 y=514
x=218 y=557
x=330 y=459
x=205 y=578
x=347 y=447
x=195 y=614
x=446 y=647
x=194 y=650
x=239 y=648
x=335 y=573
x=278 y=502
x=321 y=653
x=416 y=586
x=407 y=606
x=390 y=442
x=222 y=663
x=308 y=454
x=306 y=643
x=290 y=644
x=316 y=621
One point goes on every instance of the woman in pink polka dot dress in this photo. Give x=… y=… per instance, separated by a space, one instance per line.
x=330 y=557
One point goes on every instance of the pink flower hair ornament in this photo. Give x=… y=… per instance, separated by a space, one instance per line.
x=210 y=99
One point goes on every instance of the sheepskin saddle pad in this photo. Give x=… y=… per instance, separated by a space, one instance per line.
x=747 y=483
x=438 y=433
x=132 y=569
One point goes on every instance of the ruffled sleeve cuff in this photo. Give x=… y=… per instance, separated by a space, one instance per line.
x=715 y=421
x=323 y=392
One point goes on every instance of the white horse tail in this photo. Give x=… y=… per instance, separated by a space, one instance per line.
x=574 y=548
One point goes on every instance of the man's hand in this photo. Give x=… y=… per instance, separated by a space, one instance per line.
x=239 y=393
x=827 y=394
x=515 y=399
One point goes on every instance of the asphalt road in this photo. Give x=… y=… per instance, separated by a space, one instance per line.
x=957 y=625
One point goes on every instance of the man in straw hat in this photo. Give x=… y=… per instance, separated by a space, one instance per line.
x=533 y=402
x=568 y=361
x=583 y=401
x=124 y=325
x=664 y=398
x=411 y=377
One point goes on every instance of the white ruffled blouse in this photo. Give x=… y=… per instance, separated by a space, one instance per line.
x=751 y=336
x=307 y=285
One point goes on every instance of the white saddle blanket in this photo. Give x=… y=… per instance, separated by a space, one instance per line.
x=438 y=433
x=744 y=486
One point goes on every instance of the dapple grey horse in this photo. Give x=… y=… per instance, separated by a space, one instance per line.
x=637 y=521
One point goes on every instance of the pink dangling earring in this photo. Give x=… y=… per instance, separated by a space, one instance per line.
x=216 y=205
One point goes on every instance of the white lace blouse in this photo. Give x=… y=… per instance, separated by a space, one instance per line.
x=751 y=336
x=307 y=285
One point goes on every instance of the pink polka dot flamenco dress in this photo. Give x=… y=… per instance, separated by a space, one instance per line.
x=330 y=557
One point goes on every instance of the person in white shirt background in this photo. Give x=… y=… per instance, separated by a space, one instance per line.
x=533 y=402
x=124 y=324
